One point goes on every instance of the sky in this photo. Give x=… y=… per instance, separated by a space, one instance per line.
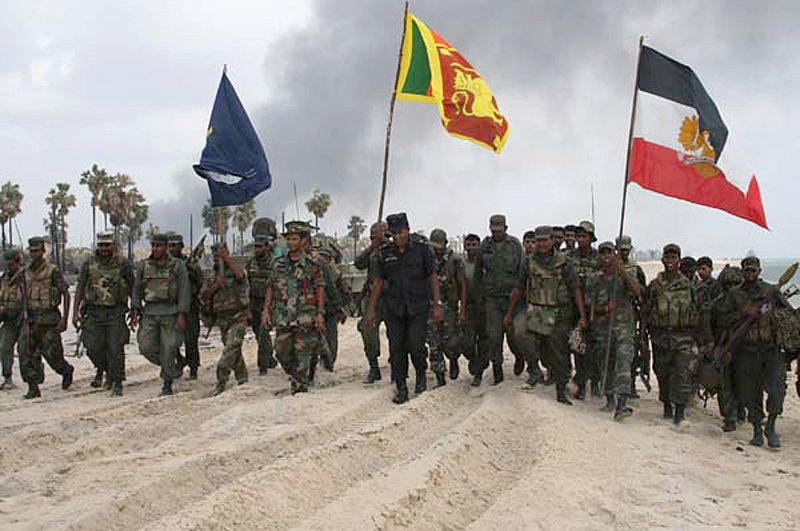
x=130 y=85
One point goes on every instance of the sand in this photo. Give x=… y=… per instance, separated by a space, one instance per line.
x=344 y=457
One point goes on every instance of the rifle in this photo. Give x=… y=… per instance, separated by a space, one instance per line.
x=198 y=251
x=78 y=352
x=642 y=360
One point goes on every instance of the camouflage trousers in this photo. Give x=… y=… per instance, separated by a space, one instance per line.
x=159 y=341
x=9 y=333
x=331 y=339
x=266 y=359
x=553 y=349
x=297 y=348
x=675 y=362
x=369 y=335
x=589 y=366
x=473 y=340
x=45 y=342
x=232 y=332
x=104 y=335
x=528 y=346
x=726 y=396
x=759 y=368
x=620 y=356
x=191 y=338
x=495 y=311
x=444 y=339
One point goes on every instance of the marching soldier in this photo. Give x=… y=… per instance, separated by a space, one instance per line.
x=160 y=302
x=192 y=333
x=295 y=306
x=10 y=312
x=368 y=260
x=638 y=365
x=105 y=282
x=228 y=296
x=259 y=269
x=569 y=238
x=334 y=300
x=46 y=291
x=474 y=331
x=584 y=260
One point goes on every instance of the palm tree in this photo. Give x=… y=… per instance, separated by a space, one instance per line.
x=60 y=201
x=356 y=228
x=318 y=205
x=243 y=216
x=96 y=180
x=216 y=220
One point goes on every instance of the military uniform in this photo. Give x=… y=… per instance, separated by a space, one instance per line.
x=625 y=245
x=45 y=290
x=161 y=291
x=102 y=294
x=500 y=266
x=587 y=366
x=191 y=336
x=259 y=270
x=473 y=330
x=673 y=321
x=10 y=316
x=334 y=302
x=368 y=260
x=230 y=303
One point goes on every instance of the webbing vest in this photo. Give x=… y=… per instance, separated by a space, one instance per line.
x=105 y=285
x=258 y=273
x=674 y=304
x=42 y=293
x=158 y=278
x=547 y=284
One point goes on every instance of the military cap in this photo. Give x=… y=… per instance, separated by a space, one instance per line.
x=586 y=227
x=751 y=261
x=497 y=221
x=570 y=228
x=529 y=235
x=705 y=261
x=543 y=232
x=730 y=276
x=158 y=237
x=671 y=248
x=262 y=239
x=606 y=245
x=438 y=238
x=556 y=228
x=397 y=222
x=264 y=227
x=11 y=254
x=624 y=242
x=297 y=227
x=105 y=237
x=688 y=262
x=35 y=243
x=174 y=237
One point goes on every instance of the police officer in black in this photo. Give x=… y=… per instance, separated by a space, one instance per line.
x=406 y=270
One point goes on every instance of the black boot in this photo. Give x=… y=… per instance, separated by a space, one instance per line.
x=679 y=414
x=729 y=425
x=271 y=362
x=440 y=379
x=116 y=388
x=8 y=383
x=166 y=389
x=610 y=404
x=66 y=378
x=758 y=435
x=33 y=391
x=373 y=376
x=773 y=440
x=667 y=411
x=531 y=382
x=519 y=365
x=622 y=411
x=401 y=395
x=477 y=379
x=580 y=394
x=193 y=373
x=421 y=384
x=561 y=395
x=454 y=369
x=97 y=381
x=497 y=370
x=108 y=383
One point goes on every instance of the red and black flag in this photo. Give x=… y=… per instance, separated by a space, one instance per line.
x=681 y=145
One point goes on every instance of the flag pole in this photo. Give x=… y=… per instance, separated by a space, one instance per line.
x=391 y=115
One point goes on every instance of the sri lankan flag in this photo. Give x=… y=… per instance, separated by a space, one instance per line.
x=432 y=71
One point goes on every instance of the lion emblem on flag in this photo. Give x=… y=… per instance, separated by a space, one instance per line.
x=699 y=151
x=472 y=97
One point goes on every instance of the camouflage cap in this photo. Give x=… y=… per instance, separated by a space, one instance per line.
x=397 y=222
x=586 y=226
x=106 y=238
x=606 y=245
x=542 y=232
x=297 y=227
x=751 y=262
x=12 y=254
x=262 y=239
x=671 y=248
x=35 y=243
x=624 y=242
x=264 y=228
x=438 y=238
x=158 y=238
x=497 y=221
x=174 y=238
x=730 y=276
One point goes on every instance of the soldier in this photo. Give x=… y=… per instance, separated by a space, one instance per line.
x=474 y=331
x=552 y=290
x=105 y=282
x=259 y=270
x=759 y=365
x=674 y=317
x=228 y=297
x=46 y=290
x=406 y=269
x=295 y=305
x=688 y=267
x=584 y=260
x=501 y=257
x=192 y=333
x=569 y=238
x=638 y=365
x=368 y=260
x=613 y=292
x=558 y=238
x=443 y=337
x=534 y=372
x=708 y=288
x=161 y=301
x=335 y=293
x=10 y=312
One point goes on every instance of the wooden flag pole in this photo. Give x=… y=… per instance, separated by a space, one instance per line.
x=391 y=116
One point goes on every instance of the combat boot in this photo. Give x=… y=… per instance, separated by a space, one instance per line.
x=219 y=388
x=729 y=425
x=679 y=414
x=580 y=393
x=454 y=369
x=66 y=378
x=519 y=365
x=33 y=391
x=773 y=440
x=667 y=411
x=7 y=383
x=561 y=395
x=610 y=404
x=497 y=371
x=116 y=388
x=193 y=373
x=531 y=382
x=421 y=384
x=271 y=362
x=476 y=380
x=622 y=411
x=634 y=393
x=401 y=395
x=166 y=389
x=440 y=379
x=262 y=371
x=108 y=383
x=97 y=381
x=549 y=380
x=374 y=372
x=758 y=435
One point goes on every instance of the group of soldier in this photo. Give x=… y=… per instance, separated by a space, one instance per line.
x=567 y=310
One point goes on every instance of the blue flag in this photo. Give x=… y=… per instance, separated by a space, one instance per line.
x=233 y=161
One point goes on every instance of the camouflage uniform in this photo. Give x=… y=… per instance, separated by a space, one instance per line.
x=444 y=339
x=258 y=273
x=634 y=270
x=10 y=316
x=334 y=297
x=103 y=287
x=722 y=315
x=587 y=366
x=161 y=290
x=368 y=260
x=473 y=332
x=46 y=288
x=297 y=341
